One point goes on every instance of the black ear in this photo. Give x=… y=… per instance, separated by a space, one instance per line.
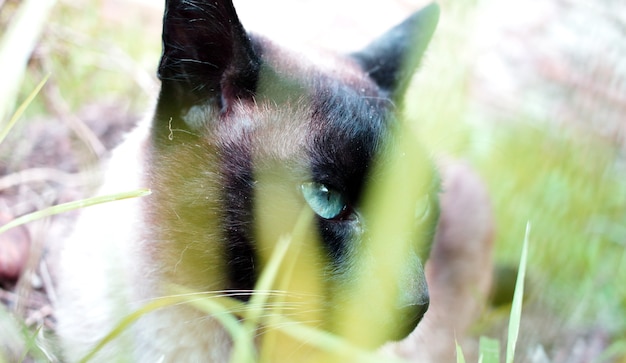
x=207 y=54
x=391 y=59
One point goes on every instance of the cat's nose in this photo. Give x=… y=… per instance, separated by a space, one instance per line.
x=412 y=314
x=413 y=299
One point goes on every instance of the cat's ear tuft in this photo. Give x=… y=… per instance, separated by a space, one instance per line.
x=207 y=54
x=392 y=59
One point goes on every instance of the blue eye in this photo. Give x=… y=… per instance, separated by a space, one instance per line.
x=325 y=202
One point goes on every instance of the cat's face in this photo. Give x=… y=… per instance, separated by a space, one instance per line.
x=253 y=146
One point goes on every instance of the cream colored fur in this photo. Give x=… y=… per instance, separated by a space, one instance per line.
x=115 y=280
x=104 y=278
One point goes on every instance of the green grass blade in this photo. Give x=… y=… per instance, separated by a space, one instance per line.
x=16 y=46
x=30 y=341
x=222 y=309
x=489 y=350
x=243 y=344
x=20 y=110
x=265 y=283
x=460 y=358
x=518 y=296
x=125 y=323
x=338 y=347
x=65 y=207
x=219 y=307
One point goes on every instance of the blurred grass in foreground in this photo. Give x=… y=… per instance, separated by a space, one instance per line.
x=568 y=185
x=571 y=186
x=93 y=56
x=568 y=181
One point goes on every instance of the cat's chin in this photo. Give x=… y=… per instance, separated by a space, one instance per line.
x=390 y=327
x=409 y=318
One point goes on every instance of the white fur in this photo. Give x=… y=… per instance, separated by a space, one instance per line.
x=103 y=279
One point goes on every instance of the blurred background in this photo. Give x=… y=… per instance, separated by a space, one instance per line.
x=531 y=93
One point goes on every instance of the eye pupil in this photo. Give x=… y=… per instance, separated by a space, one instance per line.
x=325 y=202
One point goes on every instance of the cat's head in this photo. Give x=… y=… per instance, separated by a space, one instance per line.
x=252 y=145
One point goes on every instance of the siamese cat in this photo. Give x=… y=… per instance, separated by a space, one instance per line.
x=251 y=150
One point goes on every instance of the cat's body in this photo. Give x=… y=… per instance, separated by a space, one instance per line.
x=249 y=145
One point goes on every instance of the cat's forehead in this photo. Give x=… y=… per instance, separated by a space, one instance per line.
x=335 y=98
x=316 y=68
x=307 y=112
